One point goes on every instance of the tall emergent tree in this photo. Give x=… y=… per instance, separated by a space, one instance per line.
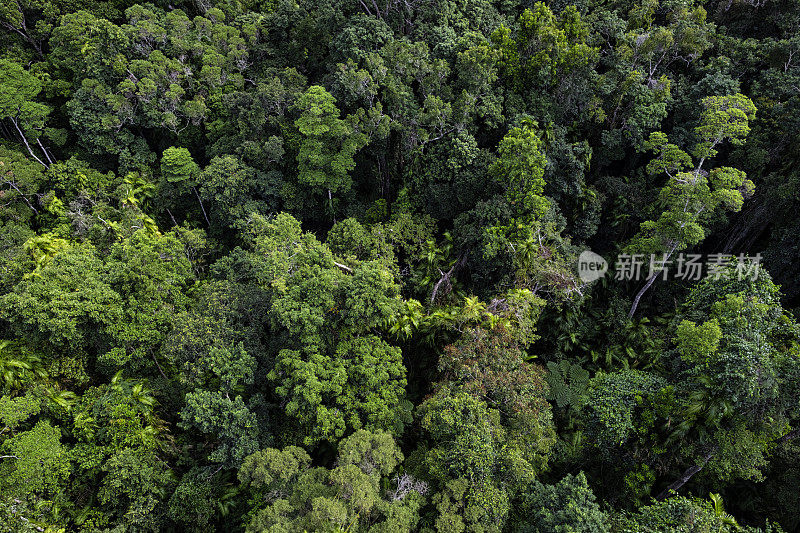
x=692 y=193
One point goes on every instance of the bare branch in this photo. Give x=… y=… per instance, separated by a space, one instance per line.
x=25 y=198
x=201 y=206
x=25 y=140
x=343 y=267
x=44 y=151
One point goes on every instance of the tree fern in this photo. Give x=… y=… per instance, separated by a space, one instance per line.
x=568 y=383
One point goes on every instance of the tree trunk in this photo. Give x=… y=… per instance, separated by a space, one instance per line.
x=201 y=206
x=650 y=282
x=641 y=292
x=685 y=477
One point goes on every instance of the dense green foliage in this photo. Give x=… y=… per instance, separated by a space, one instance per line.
x=293 y=266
